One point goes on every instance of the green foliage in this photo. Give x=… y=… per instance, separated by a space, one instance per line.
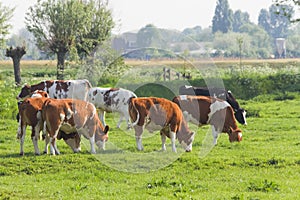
x=274 y=21
x=149 y=36
x=6 y=14
x=222 y=20
x=264 y=186
x=8 y=106
x=59 y=25
x=100 y=29
x=239 y=19
x=286 y=12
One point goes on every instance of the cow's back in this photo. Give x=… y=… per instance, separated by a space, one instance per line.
x=161 y=111
x=29 y=108
x=194 y=108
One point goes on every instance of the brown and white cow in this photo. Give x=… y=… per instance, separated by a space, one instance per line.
x=111 y=100
x=160 y=114
x=202 y=110
x=59 y=89
x=71 y=115
x=30 y=114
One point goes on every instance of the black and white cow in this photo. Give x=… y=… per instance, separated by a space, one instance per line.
x=221 y=93
x=111 y=100
x=59 y=89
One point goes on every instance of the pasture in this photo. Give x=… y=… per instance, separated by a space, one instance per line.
x=265 y=165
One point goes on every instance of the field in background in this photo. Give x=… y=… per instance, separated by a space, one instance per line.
x=265 y=165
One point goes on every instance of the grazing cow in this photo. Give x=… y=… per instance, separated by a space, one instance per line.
x=111 y=100
x=160 y=114
x=202 y=110
x=239 y=113
x=30 y=114
x=71 y=115
x=59 y=89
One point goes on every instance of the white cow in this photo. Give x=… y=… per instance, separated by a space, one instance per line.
x=111 y=100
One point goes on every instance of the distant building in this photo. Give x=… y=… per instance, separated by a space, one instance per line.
x=125 y=42
x=280 y=48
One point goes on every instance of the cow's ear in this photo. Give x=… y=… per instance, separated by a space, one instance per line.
x=106 y=129
x=229 y=93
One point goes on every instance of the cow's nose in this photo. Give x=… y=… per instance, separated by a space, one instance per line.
x=240 y=137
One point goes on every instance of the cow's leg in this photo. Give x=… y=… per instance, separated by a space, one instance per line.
x=92 y=143
x=138 y=137
x=163 y=141
x=102 y=116
x=35 y=138
x=173 y=140
x=53 y=137
x=53 y=147
x=215 y=135
x=22 y=139
x=127 y=118
x=120 y=120
x=47 y=141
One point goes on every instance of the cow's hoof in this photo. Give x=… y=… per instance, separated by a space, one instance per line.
x=21 y=153
x=37 y=154
x=45 y=152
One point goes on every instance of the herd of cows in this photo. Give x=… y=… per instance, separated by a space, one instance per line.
x=69 y=109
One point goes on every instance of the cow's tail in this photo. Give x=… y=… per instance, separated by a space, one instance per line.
x=132 y=108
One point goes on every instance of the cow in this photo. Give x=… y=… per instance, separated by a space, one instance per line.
x=161 y=114
x=111 y=100
x=59 y=89
x=72 y=115
x=30 y=114
x=239 y=113
x=202 y=110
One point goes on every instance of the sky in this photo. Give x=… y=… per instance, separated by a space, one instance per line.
x=131 y=15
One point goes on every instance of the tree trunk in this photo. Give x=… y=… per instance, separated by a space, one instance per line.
x=60 y=65
x=17 y=70
x=16 y=55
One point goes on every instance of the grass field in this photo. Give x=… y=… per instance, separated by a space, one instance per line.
x=265 y=165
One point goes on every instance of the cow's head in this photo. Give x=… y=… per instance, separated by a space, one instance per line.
x=72 y=139
x=101 y=138
x=39 y=93
x=187 y=141
x=96 y=95
x=25 y=92
x=235 y=135
x=240 y=115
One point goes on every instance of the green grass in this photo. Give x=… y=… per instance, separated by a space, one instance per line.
x=265 y=165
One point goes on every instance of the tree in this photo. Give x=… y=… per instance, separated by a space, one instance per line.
x=240 y=18
x=264 y=20
x=16 y=55
x=6 y=14
x=289 y=3
x=100 y=29
x=60 y=25
x=149 y=36
x=274 y=21
x=25 y=38
x=222 y=20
